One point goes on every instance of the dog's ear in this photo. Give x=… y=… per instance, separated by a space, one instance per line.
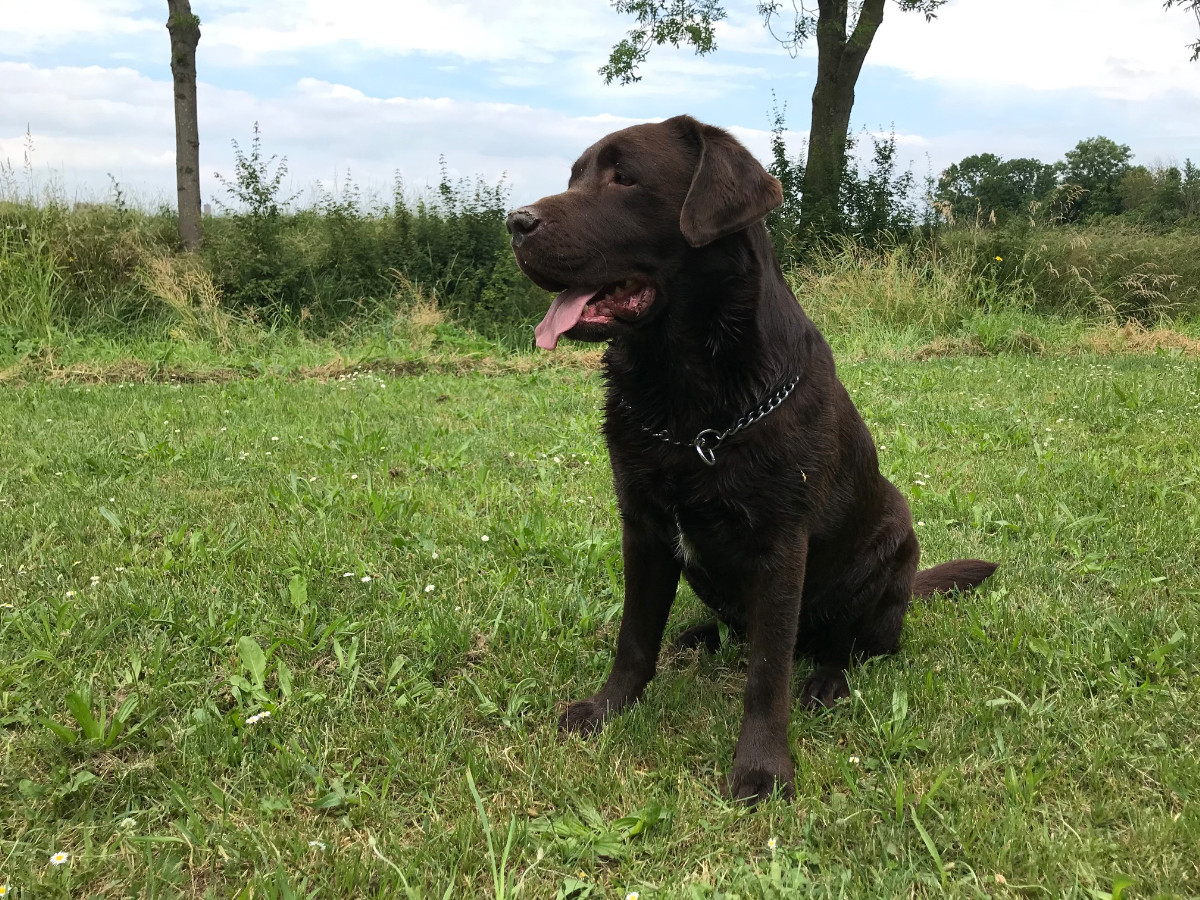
x=730 y=188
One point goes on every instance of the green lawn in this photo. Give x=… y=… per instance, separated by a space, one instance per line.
x=413 y=574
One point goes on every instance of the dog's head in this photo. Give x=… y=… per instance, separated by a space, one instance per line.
x=638 y=202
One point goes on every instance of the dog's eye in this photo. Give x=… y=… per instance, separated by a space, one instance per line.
x=621 y=178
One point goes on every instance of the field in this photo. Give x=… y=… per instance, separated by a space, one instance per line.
x=412 y=568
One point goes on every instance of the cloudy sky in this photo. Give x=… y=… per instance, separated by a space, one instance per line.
x=509 y=87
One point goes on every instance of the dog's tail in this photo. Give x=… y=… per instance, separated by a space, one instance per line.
x=959 y=575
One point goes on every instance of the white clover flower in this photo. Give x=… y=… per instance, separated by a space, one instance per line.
x=429 y=588
x=435 y=555
x=365 y=579
x=60 y=858
x=129 y=822
x=353 y=477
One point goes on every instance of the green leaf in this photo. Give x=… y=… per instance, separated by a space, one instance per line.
x=81 y=710
x=332 y=800
x=66 y=735
x=284 y=675
x=298 y=591
x=111 y=518
x=253 y=658
x=933 y=852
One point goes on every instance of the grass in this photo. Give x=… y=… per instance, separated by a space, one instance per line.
x=181 y=558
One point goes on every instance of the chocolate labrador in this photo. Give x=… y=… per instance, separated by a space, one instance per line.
x=738 y=458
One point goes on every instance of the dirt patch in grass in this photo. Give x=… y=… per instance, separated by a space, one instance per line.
x=43 y=367
x=1134 y=338
x=968 y=345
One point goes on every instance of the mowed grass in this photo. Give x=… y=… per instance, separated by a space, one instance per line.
x=411 y=575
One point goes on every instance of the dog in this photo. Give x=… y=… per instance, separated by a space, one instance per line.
x=738 y=457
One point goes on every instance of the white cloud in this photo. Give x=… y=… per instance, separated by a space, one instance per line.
x=1120 y=49
x=25 y=27
x=87 y=122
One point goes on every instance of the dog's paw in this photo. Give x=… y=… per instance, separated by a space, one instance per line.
x=582 y=717
x=824 y=687
x=753 y=784
x=699 y=637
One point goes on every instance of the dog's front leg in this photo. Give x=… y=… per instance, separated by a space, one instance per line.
x=762 y=761
x=651 y=578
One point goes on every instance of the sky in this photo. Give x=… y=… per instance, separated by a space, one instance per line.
x=508 y=89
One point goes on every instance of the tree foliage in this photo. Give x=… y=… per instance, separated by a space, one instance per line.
x=1097 y=165
x=1194 y=6
x=842 y=45
x=985 y=186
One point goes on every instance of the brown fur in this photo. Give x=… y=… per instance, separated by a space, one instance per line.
x=793 y=537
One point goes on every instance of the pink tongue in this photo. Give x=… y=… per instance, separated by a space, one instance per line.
x=564 y=312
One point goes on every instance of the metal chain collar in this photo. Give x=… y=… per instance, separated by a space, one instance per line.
x=706 y=442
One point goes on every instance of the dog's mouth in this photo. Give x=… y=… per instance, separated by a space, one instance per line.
x=622 y=301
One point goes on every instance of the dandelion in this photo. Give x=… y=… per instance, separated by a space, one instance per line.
x=999 y=259
x=59 y=858
x=429 y=588
x=365 y=579
x=772 y=844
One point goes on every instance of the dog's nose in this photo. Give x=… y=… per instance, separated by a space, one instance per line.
x=521 y=223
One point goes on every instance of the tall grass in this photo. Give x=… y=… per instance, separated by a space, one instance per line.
x=1109 y=270
x=88 y=268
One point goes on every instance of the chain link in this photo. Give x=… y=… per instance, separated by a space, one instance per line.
x=707 y=440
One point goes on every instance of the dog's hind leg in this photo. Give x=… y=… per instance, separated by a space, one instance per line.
x=849 y=622
x=707 y=635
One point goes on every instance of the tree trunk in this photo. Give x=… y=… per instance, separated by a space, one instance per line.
x=839 y=62
x=184 y=29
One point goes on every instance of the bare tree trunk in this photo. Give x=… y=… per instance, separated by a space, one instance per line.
x=839 y=62
x=184 y=29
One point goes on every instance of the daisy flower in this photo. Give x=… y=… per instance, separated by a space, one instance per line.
x=60 y=858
